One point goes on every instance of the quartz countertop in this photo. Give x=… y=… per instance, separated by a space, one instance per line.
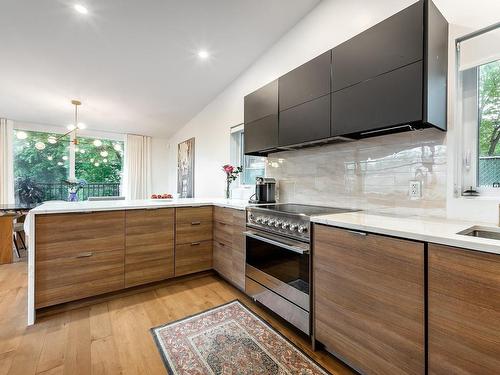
x=63 y=207
x=436 y=230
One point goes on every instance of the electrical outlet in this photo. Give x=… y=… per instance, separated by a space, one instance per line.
x=415 y=189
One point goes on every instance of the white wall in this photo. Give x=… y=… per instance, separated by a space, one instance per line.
x=327 y=25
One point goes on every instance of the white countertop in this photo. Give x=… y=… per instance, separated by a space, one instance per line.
x=63 y=207
x=440 y=231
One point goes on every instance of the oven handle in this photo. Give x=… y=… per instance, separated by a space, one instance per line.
x=268 y=238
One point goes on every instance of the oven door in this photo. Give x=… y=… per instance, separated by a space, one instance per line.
x=279 y=264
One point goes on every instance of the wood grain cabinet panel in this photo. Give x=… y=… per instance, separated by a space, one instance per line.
x=67 y=235
x=78 y=255
x=369 y=300
x=193 y=257
x=149 y=253
x=464 y=311
x=194 y=224
x=229 y=244
x=70 y=278
x=223 y=261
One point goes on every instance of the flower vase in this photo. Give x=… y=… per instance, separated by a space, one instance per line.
x=228 y=191
x=73 y=196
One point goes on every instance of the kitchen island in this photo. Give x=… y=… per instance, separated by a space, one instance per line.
x=82 y=249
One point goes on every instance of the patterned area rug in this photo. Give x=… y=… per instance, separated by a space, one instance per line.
x=229 y=339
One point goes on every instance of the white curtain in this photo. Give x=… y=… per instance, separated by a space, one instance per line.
x=6 y=161
x=137 y=173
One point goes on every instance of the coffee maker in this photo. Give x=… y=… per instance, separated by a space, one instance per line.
x=265 y=190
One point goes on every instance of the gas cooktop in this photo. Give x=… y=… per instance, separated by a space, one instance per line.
x=287 y=219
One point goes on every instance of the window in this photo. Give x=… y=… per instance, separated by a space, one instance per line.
x=43 y=162
x=478 y=133
x=253 y=166
x=489 y=123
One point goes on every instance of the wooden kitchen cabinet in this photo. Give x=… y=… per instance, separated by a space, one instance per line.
x=193 y=239
x=464 y=311
x=78 y=255
x=149 y=251
x=229 y=245
x=193 y=224
x=369 y=300
x=193 y=257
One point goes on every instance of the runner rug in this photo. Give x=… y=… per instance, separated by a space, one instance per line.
x=229 y=339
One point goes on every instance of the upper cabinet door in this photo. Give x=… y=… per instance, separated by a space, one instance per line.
x=391 y=44
x=262 y=102
x=391 y=99
x=306 y=122
x=307 y=82
x=261 y=136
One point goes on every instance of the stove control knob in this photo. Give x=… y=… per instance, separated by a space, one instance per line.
x=258 y=220
x=278 y=223
x=270 y=222
x=293 y=227
x=302 y=229
x=263 y=220
x=285 y=225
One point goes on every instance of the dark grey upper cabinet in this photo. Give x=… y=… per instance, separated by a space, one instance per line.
x=262 y=102
x=393 y=74
x=391 y=44
x=261 y=136
x=379 y=103
x=305 y=122
x=307 y=82
x=390 y=77
x=261 y=120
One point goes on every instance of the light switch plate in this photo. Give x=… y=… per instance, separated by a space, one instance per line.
x=415 y=191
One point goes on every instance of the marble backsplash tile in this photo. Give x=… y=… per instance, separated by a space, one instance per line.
x=369 y=174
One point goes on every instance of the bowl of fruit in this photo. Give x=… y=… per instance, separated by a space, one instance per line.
x=162 y=196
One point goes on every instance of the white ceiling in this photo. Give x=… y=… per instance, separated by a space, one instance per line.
x=133 y=63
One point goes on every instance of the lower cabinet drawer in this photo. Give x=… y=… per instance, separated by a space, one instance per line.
x=195 y=231
x=223 y=259
x=86 y=274
x=149 y=271
x=223 y=232
x=193 y=257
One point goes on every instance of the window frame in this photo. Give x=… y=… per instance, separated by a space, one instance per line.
x=237 y=153
x=467 y=160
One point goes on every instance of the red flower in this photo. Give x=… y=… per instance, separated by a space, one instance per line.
x=228 y=168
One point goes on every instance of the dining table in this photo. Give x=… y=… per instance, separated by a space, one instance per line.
x=8 y=212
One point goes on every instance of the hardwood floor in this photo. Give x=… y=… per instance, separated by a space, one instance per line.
x=110 y=337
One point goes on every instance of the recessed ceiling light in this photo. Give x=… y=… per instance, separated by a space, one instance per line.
x=81 y=9
x=203 y=54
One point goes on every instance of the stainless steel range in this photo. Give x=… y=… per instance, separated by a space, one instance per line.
x=278 y=258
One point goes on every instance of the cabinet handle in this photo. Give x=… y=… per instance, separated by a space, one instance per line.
x=195 y=243
x=358 y=233
x=222 y=244
x=85 y=255
x=195 y=222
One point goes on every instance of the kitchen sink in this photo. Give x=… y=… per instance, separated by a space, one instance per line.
x=482 y=232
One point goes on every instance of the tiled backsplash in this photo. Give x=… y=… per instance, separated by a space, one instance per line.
x=369 y=174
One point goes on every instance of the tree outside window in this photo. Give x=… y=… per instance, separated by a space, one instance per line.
x=40 y=170
x=489 y=123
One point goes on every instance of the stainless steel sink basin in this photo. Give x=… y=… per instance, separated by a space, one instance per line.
x=482 y=232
